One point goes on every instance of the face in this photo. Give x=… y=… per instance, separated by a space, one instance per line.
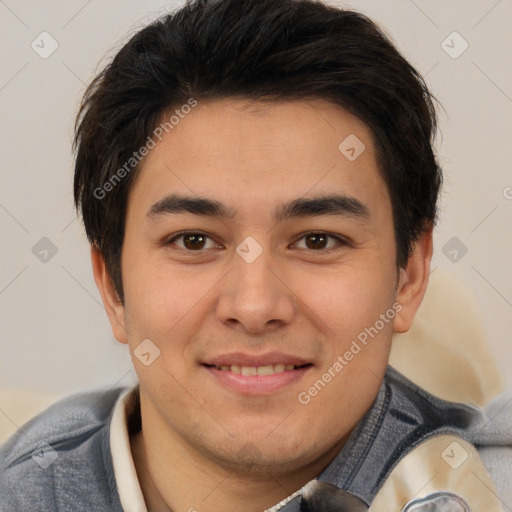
x=256 y=256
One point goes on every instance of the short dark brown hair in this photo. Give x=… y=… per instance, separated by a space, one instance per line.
x=257 y=49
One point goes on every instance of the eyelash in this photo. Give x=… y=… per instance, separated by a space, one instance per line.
x=340 y=241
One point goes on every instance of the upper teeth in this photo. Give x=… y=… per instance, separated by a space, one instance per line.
x=256 y=370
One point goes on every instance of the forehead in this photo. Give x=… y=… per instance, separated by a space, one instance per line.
x=254 y=155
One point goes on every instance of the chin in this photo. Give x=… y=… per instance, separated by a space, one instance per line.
x=254 y=458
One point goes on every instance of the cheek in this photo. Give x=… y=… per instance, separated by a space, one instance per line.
x=155 y=299
x=168 y=302
x=348 y=299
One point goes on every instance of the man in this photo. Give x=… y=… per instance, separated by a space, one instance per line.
x=259 y=188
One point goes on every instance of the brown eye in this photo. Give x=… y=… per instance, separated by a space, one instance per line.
x=320 y=242
x=194 y=242
x=316 y=241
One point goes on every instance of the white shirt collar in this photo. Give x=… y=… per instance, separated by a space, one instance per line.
x=128 y=486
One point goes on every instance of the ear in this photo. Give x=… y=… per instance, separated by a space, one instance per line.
x=413 y=282
x=113 y=305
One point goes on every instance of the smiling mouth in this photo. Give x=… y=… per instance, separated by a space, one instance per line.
x=270 y=369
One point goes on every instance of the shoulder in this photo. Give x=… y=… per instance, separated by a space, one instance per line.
x=67 y=423
x=68 y=443
x=419 y=415
x=438 y=460
x=442 y=471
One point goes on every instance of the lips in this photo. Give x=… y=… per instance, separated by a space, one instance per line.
x=256 y=374
x=269 y=369
x=256 y=360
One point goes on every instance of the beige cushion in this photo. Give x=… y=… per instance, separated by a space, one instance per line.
x=446 y=350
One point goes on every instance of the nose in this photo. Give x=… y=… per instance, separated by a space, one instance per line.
x=255 y=297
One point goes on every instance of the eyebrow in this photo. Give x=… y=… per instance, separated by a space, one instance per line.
x=332 y=204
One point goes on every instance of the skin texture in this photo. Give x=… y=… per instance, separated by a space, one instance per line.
x=204 y=445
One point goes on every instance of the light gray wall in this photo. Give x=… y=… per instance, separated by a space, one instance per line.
x=55 y=336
